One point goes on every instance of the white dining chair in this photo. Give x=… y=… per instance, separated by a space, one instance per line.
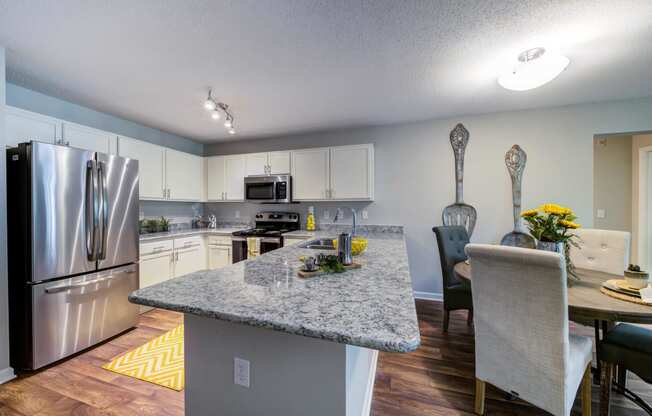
x=602 y=250
x=522 y=343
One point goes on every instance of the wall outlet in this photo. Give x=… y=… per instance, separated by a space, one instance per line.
x=365 y=214
x=241 y=372
x=601 y=213
x=237 y=214
x=327 y=214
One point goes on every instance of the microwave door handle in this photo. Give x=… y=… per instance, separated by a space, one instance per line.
x=104 y=209
x=91 y=208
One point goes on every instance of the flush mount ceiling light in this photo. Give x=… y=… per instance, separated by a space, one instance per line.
x=535 y=67
x=216 y=109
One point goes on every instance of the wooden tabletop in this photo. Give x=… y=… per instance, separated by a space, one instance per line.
x=585 y=301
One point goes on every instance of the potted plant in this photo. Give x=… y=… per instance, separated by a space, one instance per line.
x=552 y=226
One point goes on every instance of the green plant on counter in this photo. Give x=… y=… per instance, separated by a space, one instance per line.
x=331 y=264
x=152 y=225
x=164 y=224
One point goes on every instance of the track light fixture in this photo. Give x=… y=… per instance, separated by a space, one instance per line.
x=216 y=109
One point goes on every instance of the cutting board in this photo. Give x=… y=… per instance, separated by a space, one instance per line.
x=316 y=273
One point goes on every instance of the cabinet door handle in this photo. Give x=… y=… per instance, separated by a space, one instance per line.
x=225 y=195
x=164 y=193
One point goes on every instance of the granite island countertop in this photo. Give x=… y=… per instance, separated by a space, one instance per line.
x=370 y=307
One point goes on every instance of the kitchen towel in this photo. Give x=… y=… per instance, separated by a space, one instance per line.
x=253 y=247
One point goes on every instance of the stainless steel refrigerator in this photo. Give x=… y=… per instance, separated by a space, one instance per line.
x=73 y=250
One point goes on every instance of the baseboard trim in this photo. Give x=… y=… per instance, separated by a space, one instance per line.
x=366 y=407
x=428 y=296
x=6 y=375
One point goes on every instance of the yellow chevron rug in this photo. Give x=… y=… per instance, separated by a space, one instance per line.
x=160 y=361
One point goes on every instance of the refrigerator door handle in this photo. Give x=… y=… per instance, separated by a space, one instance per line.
x=64 y=288
x=104 y=209
x=92 y=208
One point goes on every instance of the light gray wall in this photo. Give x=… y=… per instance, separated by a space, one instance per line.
x=612 y=186
x=4 y=312
x=415 y=178
x=37 y=102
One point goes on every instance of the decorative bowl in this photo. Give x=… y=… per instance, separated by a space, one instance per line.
x=637 y=280
x=358 y=245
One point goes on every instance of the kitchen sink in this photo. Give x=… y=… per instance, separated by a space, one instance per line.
x=318 y=244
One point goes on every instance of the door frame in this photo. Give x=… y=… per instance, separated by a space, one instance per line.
x=643 y=220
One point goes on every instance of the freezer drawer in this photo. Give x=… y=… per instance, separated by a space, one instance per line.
x=70 y=315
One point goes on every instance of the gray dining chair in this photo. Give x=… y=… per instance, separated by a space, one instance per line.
x=522 y=341
x=451 y=241
x=602 y=250
x=630 y=348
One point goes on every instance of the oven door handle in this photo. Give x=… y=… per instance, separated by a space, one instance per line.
x=270 y=240
x=238 y=239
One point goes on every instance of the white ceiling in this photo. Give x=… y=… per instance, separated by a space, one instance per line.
x=288 y=66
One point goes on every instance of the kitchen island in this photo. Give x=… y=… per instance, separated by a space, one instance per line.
x=309 y=345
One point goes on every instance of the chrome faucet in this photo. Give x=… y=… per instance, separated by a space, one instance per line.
x=341 y=213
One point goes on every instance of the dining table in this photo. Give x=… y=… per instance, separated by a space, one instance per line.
x=587 y=305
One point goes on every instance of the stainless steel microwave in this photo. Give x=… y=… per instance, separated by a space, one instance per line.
x=268 y=188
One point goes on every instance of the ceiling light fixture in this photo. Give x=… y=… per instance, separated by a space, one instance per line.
x=210 y=104
x=217 y=108
x=535 y=67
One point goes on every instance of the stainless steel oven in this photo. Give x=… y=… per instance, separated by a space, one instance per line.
x=268 y=188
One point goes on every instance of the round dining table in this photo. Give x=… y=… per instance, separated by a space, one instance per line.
x=586 y=303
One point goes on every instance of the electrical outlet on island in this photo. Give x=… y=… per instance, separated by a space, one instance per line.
x=241 y=372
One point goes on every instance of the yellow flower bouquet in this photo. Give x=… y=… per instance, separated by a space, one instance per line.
x=552 y=226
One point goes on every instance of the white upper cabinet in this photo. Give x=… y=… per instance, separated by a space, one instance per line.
x=23 y=126
x=183 y=176
x=352 y=172
x=234 y=173
x=256 y=164
x=272 y=163
x=310 y=179
x=151 y=166
x=215 y=178
x=279 y=163
x=83 y=137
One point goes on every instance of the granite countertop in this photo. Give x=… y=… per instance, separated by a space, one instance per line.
x=191 y=231
x=370 y=307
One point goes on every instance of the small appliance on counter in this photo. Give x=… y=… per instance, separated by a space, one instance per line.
x=73 y=256
x=267 y=233
x=268 y=188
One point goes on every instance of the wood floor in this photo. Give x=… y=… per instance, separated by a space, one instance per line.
x=437 y=379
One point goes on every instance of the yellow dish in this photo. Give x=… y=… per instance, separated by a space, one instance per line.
x=358 y=245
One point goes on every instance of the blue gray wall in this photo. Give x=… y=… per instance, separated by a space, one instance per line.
x=415 y=173
x=26 y=99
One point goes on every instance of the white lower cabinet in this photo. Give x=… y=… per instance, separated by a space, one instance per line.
x=189 y=260
x=218 y=256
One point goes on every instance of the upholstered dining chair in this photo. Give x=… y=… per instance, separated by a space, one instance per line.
x=451 y=241
x=603 y=250
x=606 y=251
x=522 y=341
x=630 y=348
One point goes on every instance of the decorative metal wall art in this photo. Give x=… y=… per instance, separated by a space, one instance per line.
x=515 y=160
x=459 y=213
